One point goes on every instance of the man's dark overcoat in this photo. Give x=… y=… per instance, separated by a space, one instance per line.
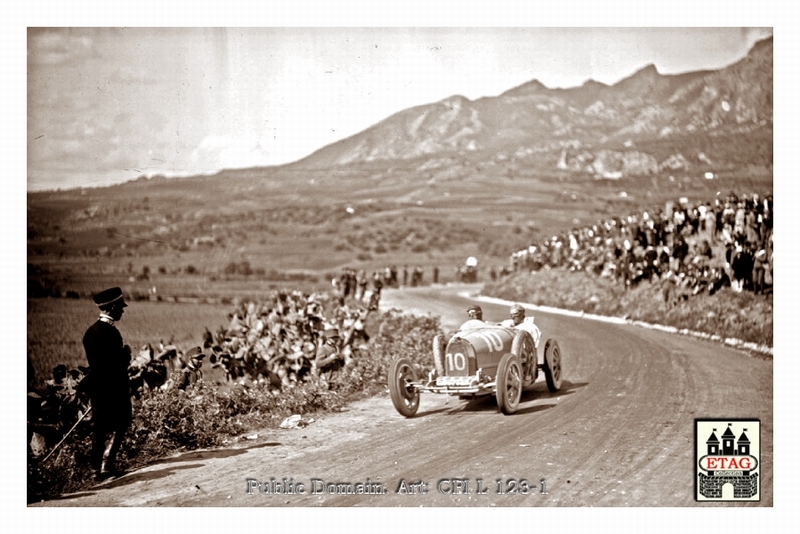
x=109 y=386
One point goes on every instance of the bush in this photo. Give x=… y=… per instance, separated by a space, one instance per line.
x=242 y=268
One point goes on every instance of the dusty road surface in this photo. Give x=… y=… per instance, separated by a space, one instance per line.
x=619 y=433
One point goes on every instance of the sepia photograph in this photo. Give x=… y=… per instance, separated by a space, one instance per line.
x=400 y=265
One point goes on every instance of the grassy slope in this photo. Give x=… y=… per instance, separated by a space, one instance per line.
x=737 y=315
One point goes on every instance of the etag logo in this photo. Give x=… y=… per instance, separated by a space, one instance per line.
x=727 y=460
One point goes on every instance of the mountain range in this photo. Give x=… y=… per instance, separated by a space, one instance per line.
x=644 y=124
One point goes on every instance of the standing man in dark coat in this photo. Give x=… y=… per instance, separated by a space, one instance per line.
x=109 y=386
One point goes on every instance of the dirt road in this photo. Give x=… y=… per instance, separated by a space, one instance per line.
x=619 y=433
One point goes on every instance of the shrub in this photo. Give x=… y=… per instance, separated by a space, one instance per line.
x=242 y=268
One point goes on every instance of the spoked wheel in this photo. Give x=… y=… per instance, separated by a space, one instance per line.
x=509 y=383
x=552 y=365
x=525 y=350
x=405 y=397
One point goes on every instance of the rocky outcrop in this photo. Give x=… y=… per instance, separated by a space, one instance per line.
x=609 y=164
x=674 y=162
x=647 y=106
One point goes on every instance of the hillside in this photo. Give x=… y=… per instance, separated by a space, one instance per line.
x=569 y=129
x=428 y=186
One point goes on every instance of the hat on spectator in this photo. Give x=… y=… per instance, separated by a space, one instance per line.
x=109 y=298
x=331 y=333
x=195 y=353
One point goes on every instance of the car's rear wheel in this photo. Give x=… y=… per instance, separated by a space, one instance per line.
x=552 y=365
x=405 y=397
x=508 y=383
x=438 y=354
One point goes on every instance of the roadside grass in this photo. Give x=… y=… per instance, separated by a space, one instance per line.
x=743 y=316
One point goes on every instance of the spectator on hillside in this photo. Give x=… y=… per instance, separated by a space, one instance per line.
x=191 y=373
x=759 y=260
x=742 y=266
x=329 y=359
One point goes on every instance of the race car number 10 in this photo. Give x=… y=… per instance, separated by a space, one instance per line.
x=457 y=361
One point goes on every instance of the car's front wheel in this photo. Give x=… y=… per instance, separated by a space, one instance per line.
x=508 y=383
x=405 y=397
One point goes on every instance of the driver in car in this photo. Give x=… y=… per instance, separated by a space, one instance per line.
x=475 y=318
x=519 y=321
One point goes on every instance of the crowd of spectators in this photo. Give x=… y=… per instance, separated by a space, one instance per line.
x=358 y=284
x=363 y=288
x=695 y=246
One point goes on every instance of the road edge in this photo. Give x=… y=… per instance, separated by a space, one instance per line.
x=732 y=342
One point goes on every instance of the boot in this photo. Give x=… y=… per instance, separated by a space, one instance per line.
x=108 y=468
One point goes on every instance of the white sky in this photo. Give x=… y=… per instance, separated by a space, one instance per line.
x=108 y=105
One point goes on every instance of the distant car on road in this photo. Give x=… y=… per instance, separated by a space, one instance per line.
x=484 y=359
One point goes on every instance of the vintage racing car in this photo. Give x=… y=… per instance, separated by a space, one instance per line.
x=487 y=359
